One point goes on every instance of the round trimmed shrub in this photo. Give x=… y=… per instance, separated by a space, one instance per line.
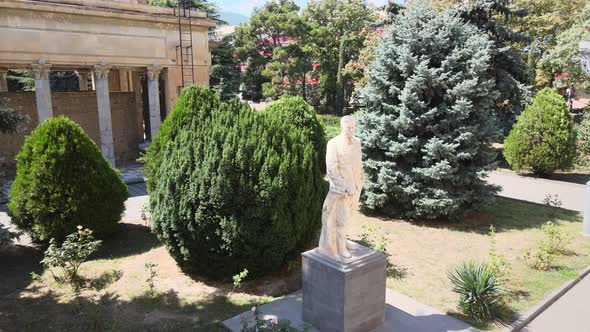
x=294 y=110
x=543 y=139
x=62 y=181
x=235 y=189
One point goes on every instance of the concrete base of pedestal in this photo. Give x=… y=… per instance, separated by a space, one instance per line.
x=344 y=297
x=402 y=314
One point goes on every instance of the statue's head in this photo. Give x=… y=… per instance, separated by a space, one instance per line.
x=347 y=125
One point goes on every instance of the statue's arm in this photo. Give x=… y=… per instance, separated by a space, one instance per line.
x=339 y=185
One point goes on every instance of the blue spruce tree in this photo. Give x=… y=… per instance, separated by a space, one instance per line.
x=429 y=124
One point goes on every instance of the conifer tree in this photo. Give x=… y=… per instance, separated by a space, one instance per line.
x=512 y=75
x=428 y=126
x=235 y=188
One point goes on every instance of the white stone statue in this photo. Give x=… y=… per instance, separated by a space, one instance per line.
x=345 y=171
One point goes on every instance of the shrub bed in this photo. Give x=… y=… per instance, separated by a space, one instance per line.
x=234 y=189
x=62 y=181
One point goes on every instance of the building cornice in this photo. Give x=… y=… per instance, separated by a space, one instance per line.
x=108 y=9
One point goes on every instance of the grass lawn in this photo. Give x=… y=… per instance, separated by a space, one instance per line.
x=423 y=252
x=116 y=296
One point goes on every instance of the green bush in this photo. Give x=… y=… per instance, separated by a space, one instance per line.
x=428 y=125
x=68 y=257
x=177 y=118
x=62 y=181
x=555 y=242
x=478 y=288
x=543 y=139
x=294 y=110
x=235 y=188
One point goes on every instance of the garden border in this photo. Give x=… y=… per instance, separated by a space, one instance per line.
x=523 y=320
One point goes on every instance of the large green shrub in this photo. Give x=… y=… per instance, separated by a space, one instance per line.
x=543 y=139
x=428 y=125
x=62 y=180
x=177 y=118
x=294 y=110
x=235 y=189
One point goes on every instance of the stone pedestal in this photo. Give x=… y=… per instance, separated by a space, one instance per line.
x=344 y=296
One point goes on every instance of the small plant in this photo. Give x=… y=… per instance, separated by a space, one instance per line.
x=539 y=259
x=70 y=255
x=555 y=242
x=497 y=262
x=268 y=325
x=370 y=239
x=152 y=274
x=238 y=278
x=553 y=201
x=35 y=276
x=479 y=289
x=145 y=214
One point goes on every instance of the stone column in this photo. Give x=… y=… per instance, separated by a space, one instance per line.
x=82 y=79
x=154 y=98
x=101 y=79
x=3 y=82
x=42 y=90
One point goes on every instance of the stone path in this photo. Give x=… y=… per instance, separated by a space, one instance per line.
x=569 y=313
x=133 y=206
x=130 y=174
x=536 y=190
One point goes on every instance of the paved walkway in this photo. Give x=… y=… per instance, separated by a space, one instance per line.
x=536 y=190
x=569 y=313
x=133 y=205
x=402 y=314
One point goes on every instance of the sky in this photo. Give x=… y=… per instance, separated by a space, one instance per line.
x=245 y=7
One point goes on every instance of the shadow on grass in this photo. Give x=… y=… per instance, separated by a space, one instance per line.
x=129 y=240
x=149 y=312
x=105 y=279
x=506 y=214
x=17 y=263
x=503 y=316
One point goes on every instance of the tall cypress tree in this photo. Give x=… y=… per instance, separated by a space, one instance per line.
x=429 y=124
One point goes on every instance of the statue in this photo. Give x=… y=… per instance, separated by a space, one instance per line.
x=345 y=171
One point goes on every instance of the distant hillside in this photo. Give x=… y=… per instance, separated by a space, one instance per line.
x=233 y=18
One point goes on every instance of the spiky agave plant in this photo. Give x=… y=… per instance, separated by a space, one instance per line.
x=479 y=289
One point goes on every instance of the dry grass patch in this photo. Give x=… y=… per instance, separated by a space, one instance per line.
x=116 y=295
x=425 y=251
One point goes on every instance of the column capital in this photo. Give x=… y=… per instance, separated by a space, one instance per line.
x=101 y=70
x=82 y=71
x=154 y=72
x=41 y=70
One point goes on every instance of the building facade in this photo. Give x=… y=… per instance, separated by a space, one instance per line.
x=128 y=56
